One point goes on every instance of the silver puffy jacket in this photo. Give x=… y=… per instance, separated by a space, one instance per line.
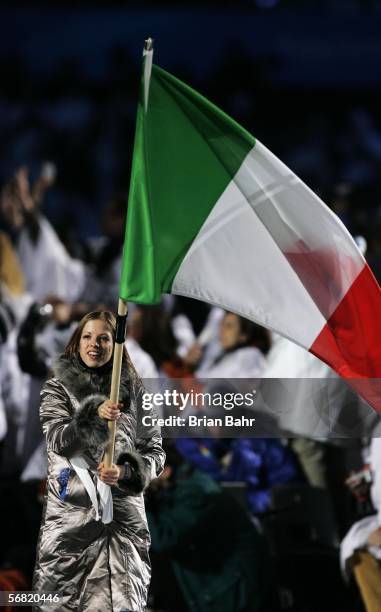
x=93 y=566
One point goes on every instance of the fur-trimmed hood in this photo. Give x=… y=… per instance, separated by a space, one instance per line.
x=82 y=381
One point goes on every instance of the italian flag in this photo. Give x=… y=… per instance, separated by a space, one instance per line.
x=214 y=215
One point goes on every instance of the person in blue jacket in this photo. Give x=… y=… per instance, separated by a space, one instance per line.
x=206 y=553
x=261 y=463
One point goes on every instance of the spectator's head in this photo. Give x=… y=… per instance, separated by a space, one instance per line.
x=151 y=327
x=236 y=331
x=58 y=308
x=114 y=216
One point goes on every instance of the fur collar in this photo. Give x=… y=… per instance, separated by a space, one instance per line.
x=82 y=381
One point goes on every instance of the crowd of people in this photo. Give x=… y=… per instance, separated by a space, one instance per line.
x=285 y=517
x=82 y=115
x=236 y=523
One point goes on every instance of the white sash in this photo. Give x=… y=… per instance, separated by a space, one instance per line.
x=81 y=468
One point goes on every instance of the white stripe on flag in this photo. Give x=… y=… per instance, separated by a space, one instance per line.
x=259 y=230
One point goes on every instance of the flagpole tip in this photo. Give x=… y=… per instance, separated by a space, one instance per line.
x=148 y=44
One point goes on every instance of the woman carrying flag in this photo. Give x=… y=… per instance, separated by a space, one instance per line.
x=94 y=540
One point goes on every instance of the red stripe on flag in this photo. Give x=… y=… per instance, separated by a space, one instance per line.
x=322 y=274
x=350 y=342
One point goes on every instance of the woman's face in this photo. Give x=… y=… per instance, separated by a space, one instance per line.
x=230 y=332
x=96 y=343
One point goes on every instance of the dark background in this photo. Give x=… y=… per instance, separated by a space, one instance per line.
x=303 y=77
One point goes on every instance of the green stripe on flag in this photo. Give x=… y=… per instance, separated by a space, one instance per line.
x=185 y=154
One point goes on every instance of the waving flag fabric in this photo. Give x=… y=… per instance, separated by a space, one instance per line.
x=215 y=216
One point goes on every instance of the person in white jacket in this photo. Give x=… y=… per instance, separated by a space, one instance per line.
x=361 y=548
x=238 y=357
x=46 y=265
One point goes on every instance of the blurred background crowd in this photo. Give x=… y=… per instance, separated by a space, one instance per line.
x=303 y=77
